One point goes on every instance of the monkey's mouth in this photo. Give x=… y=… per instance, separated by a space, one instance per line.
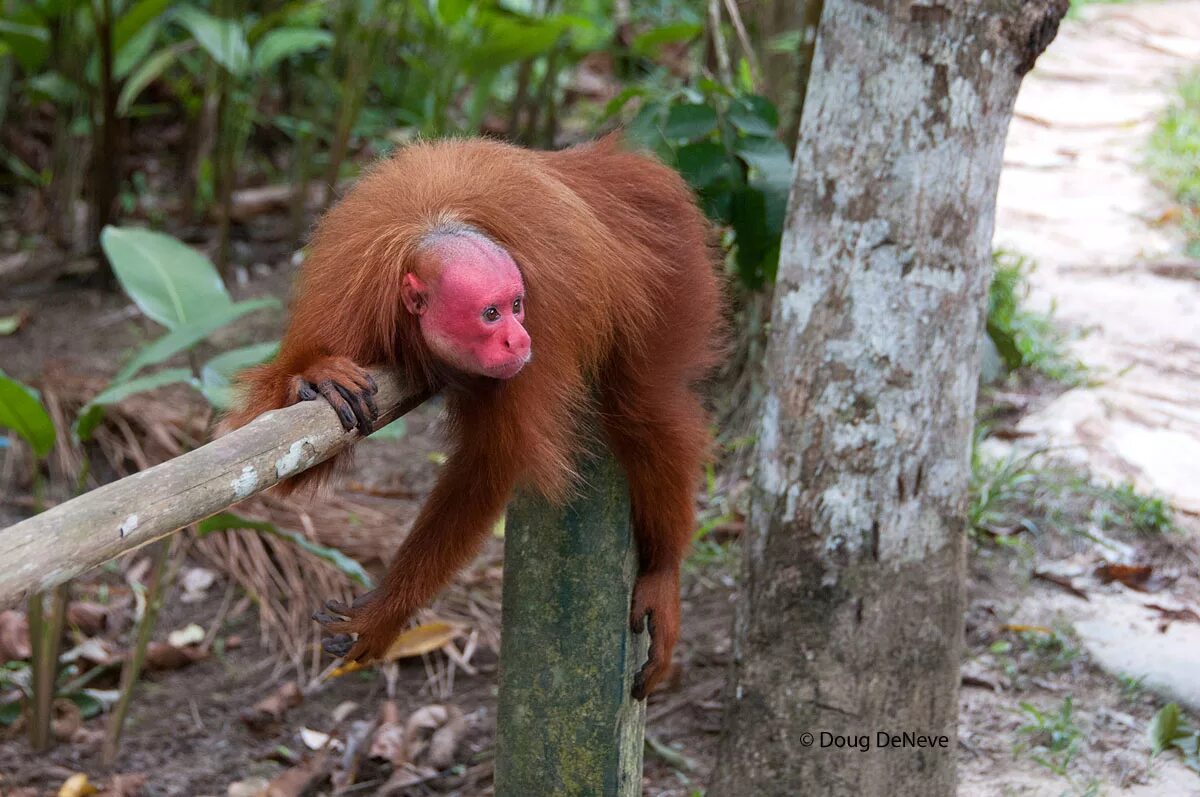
x=510 y=369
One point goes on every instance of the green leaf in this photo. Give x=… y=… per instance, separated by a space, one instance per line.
x=227 y=521
x=646 y=130
x=10 y=324
x=185 y=336
x=688 y=122
x=89 y=704
x=768 y=158
x=10 y=712
x=757 y=246
x=283 y=43
x=27 y=36
x=216 y=376
x=701 y=163
x=509 y=39
x=93 y=412
x=135 y=19
x=393 y=431
x=618 y=102
x=647 y=43
x=21 y=411
x=134 y=51
x=754 y=116
x=1164 y=728
x=86 y=421
x=223 y=39
x=52 y=85
x=122 y=390
x=171 y=283
x=150 y=70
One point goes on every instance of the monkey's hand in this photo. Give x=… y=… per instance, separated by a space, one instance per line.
x=349 y=389
x=361 y=632
x=656 y=608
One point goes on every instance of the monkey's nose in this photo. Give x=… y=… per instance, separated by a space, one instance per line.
x=518 y=342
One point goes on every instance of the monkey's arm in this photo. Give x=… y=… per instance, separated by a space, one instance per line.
x=469 y=497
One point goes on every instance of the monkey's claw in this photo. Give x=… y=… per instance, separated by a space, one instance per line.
x=339 y=645
x=355 y=636
x=348 y=389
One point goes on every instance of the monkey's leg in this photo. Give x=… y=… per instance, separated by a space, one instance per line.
x=659 y=435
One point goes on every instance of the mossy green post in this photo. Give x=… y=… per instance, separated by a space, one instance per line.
x=567 y=725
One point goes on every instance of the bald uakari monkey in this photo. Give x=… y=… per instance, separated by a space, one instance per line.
x=525 y=286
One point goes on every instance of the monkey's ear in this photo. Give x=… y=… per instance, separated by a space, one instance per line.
x=414 y=294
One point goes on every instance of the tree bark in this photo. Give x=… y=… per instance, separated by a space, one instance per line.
x=850 y=616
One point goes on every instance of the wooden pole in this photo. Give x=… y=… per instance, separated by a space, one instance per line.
x=567 y=725
x=75 y=536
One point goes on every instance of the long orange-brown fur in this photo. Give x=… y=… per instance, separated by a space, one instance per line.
x=623 y=308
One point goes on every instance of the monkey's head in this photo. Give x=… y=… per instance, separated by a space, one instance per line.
x=469 y=298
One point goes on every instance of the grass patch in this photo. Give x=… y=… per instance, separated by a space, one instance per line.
x=1174 y=157
x=1052 y=738
x=1030 y=494
x=1025 y=340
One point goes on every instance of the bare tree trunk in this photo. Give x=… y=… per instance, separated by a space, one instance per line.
x=850 y=618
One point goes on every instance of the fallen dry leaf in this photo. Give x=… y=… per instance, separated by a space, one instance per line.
x=1168 y=615
x=76 y=786
x=1060 y=581
x=129 y=784
x=250 y=787
x=1021 y=628
x=94 y=650
x=14 y=636
x=405 y=778
x=318 y=740
x=196 y=582
x=446 y=739
x=191 y=634
x=425 y=638
x=165 y=656
x=273 y=707
x=66 y=719
x=90 y=618
x=432 y=734
x=296 y=781
x=1139 y=577
x=388 y=740
x=343 y=711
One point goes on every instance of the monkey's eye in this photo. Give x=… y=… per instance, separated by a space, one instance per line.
x=517 y=305
x=491 y=314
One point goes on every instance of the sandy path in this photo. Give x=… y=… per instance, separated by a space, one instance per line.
x=1074 y=196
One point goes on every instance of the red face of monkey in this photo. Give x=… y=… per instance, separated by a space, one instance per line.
x=472 y=310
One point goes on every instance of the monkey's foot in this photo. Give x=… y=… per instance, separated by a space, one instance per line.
x=357 y=635
x=349 y=389
x=656 y=609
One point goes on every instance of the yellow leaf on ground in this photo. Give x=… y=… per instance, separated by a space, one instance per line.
x=423 y=639
x=76 y=786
